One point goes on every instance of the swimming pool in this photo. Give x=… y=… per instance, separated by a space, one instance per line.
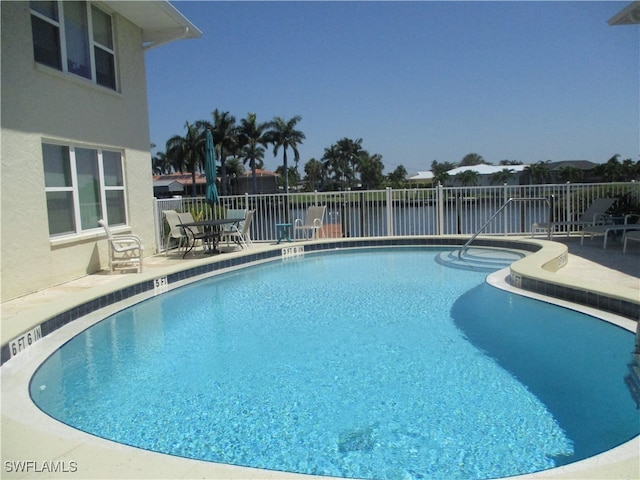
x=445 y=377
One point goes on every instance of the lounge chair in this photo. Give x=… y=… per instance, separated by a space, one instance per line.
x=632 y=235
x=240 y=235
x=125 y=250
x=593 y=215
x=175 y=232
x=313 y=222
x=604 y=230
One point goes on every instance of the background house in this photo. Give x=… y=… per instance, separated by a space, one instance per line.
x=266 y=182
x=75 y=133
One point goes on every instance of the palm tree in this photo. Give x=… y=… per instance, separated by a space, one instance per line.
x=252 y=137
x=440 y=170
x=283 y=134
x=225 y=138
x=538 y=172
x=570 y=174
x=332 y=161
x=468 y=178
x=313 y=170
x=503 y=176
x=187 y=153
x=350 y=151
x=161 y=164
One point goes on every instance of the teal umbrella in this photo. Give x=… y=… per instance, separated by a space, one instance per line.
x=210 y=169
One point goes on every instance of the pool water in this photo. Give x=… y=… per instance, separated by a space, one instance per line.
x=380 y=364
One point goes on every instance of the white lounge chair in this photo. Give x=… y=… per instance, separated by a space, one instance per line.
x=593 y=215
x=633 y=235
x=237 y=234
x=175 y=232
x=313 y=222
x=125 y=250
x=604 y=230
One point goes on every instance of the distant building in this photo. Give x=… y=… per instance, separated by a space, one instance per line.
x=486 y=173
x=183 y=179
x=424 y=178
x=266 y=182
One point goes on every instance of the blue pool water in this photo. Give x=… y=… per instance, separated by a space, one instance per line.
x=379 y=364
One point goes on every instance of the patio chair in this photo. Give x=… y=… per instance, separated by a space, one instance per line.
x=593 y=215
x=235 y=213
x=175 y=232
x=193 y=234
x=313 y=222
x=125 y=250
x=239 y=235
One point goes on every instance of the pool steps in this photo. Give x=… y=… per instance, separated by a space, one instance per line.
x=479 y=259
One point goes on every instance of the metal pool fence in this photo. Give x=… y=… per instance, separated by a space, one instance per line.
x=400 y=212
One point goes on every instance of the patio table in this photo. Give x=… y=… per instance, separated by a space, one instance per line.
x=212 y=232
x=283 y=232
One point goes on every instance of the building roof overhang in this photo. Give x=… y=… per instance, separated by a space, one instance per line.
x=629 y=15
x=160 y=21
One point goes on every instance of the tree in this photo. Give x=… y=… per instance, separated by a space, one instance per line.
x=538 y=172
x=398 y=178
x=440 y=170
x=285 y=180
x=468 y=178
x=283 y=134
x=510 y=162
x=371 y=168
x=471 y=159
x=225 y=138
x=350 y=152
x=313 y=174
x=503 y=176
x=612 y=171
x=233 y=168
x=570 y=174
x=334 y=166
x=253 y=138
x=161 y=164
x=187 y=153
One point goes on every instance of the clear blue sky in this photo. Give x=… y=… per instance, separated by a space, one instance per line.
x=417 y=81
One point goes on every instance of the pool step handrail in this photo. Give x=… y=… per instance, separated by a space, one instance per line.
x=548 y=201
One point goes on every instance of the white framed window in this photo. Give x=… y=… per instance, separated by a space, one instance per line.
x=82 y=186
x=74 y=37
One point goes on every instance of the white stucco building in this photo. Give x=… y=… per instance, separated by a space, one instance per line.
x=75 y=133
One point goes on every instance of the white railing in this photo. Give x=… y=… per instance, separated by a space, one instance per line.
x=426 y=211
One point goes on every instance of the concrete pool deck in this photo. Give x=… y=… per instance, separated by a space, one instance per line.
x=28 y=435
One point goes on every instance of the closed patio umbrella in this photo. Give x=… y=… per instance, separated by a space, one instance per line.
x=210 y=169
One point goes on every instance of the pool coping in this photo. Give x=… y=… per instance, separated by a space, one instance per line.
x=21 y=418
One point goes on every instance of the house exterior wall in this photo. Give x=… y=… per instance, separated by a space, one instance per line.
x=40 y=103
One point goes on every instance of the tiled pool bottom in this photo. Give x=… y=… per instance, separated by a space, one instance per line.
x=114 y=461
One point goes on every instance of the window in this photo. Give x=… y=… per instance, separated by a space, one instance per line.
x=76 y=38
x=82 y=186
